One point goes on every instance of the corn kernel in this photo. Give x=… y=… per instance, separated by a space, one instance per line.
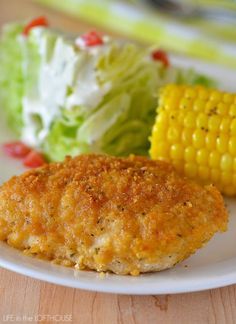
x=171 y=103
x=232 y=110
x=214 y=123
x=178 y=93
x=232 y=145
x=163 y=158
x=160 y=130
x=226 y=163
x=234 y=165
x=222 y=143
x=211 y=107
x=163 y=117
x=203 y=94
x=233 y=127
x=190 y=154
x=176 y=151
x=161 y=150
x=216 y=96
x=173 y=117
x=203 y=172
x=181 y=117
x=163 y=97
x=160 y=135
x=185 y=104
x=225 y=125
x=210 y=141
x=202 y=121
x=199 y=138
x=178 y=165
x=190 y=93
x=228 y=98
x=215 y=175
x=190 y=120
x=226 y=178
x=202 y=156
x=173 y=134
x=214 y=159
x=190 y=170
x=222 y=109
x=199 y=105
x=161 y=102
x=187 y=135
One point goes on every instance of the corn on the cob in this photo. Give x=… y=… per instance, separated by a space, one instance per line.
x=195 y=129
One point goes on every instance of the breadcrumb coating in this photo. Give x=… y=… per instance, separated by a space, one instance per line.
x=124 y=215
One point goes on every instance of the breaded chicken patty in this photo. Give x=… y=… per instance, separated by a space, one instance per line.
x=125 y=215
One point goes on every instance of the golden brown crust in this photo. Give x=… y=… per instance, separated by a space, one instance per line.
x=126 y=215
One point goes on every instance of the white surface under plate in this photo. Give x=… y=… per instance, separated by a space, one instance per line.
x=211 y=267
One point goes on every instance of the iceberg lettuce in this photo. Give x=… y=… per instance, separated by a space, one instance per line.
x=68 y=100
x=11 y=75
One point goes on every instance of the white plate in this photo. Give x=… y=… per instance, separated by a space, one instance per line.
x=211 y=267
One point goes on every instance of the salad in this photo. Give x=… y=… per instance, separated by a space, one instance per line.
x=68 y=96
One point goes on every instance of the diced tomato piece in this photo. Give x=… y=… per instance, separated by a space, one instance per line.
x=92 y=39
x=34 y=160
x=160 y=55
x=16 y=149
x=40 y=21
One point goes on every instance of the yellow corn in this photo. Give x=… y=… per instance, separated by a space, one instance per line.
x=195 y=130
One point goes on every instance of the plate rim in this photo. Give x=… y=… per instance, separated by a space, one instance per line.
x=204 y=285
x=32 y=269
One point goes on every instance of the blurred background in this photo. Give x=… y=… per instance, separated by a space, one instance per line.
x=203 y=29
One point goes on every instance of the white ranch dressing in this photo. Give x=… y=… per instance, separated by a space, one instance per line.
x=67 y=68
